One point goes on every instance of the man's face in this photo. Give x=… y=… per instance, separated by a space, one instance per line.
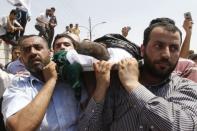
x=161 y=52
x=49 y=13
x=63 y=44
x=16 y=54
x=124 y=31
x=35 y=54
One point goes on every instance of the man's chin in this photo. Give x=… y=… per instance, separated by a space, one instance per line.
x=36 y=68
x=162 y=74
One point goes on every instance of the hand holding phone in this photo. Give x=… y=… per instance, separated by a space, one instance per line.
x=188 y=15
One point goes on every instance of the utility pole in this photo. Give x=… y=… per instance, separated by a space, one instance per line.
x=90 y=28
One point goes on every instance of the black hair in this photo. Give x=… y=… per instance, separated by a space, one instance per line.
x=65 y=35
x=20 y=41
x=15 y=47
x=162 y=19
x=13 y=12
x=53 y=9
x=167 y=24
x=193 y=57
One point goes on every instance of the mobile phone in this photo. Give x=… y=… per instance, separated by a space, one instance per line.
x=188 y=15
x=129 y=28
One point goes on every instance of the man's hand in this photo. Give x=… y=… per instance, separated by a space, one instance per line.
x=187 y=25
x=129 y=73
x=18 y=28
x=102 y=73
x=49 y=71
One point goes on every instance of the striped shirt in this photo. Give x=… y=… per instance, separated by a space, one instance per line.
x=168 y=106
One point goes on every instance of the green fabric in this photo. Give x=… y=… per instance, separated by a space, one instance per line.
x=69 y=72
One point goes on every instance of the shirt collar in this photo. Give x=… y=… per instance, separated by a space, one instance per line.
x=165 y=81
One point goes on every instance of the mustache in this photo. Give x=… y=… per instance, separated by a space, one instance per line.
x=163 y=61
x=34 y=58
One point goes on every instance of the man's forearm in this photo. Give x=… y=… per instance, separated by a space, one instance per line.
x=177 y=114
x=32 y=115
x=91 y=120
x=186 y=46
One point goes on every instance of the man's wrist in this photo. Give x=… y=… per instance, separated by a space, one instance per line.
x=131 y=86
x=99 y=94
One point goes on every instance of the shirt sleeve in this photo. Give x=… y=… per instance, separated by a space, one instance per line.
x=176 y=112
x=5 y=79
x=91 y=119
x=15 y=97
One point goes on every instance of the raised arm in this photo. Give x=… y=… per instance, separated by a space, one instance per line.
x=187 y=25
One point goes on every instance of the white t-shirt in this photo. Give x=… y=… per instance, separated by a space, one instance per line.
x=5 y=81
x=42 y=17
x=116 y=54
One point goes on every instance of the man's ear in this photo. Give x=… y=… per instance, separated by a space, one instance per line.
x=142 y=50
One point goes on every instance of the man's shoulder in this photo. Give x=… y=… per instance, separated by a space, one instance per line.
x=14 y=63
x=181 y=82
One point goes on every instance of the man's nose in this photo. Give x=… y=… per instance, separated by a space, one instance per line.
x=18 y=54
x=32 y=50
x=166 y=53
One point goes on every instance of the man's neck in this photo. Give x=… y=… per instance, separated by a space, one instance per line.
x=38 y=75
x=147 y=79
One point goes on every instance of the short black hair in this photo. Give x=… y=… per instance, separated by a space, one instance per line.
x=53 y=8
x=21 y=39
x=167 y=24
x=193 y=57
x=13 y=12
x=162 y=19
x=15 y=47
x=58 y=36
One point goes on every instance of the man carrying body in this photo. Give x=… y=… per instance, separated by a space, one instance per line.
x=149 y=98
x=40 y=101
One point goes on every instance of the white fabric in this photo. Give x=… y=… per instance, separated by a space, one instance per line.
x=72 y=56
x=26 y=4
x=5 y=81
x=42 y=17
x=116 y=54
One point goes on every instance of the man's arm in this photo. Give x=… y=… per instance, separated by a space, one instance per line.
x=187 y=25
x=30 y=117
x=5 y=79
x=18 y=27
x=10 y=26
x=91 y=120
x=177 y=111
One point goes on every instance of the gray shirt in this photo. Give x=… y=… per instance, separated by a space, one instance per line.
x=170 y=105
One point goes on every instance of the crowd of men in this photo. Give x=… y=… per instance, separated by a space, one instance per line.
x=46 y=86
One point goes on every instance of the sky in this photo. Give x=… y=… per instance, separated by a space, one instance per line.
x=116 y=13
